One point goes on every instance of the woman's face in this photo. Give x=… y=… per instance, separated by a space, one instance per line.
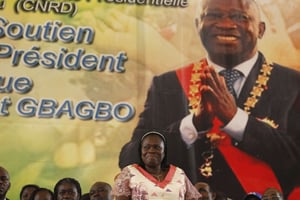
x=43 y=195
x=67 y=190
x=152 y=151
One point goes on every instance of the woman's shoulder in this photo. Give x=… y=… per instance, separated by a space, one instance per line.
x=127 y=169
x=175 y=168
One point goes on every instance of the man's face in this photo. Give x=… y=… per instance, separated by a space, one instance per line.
x=204 y=189
x=4 y=182
x=100 y=191
x=206 y=195
x=272 y=194
x=230 y=28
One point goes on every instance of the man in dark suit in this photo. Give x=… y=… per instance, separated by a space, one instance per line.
x=231 y=119
x=4 y=183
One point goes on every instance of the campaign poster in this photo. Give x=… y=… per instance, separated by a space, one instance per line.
x=75 y=73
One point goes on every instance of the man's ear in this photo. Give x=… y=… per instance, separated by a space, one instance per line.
x=196 y=22
x=261 y=29
x=214 y=195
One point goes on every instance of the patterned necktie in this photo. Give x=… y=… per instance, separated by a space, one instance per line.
x=231 y=75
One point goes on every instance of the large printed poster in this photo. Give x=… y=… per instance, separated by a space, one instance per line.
x=74 y=77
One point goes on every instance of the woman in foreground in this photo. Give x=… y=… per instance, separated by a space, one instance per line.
x=153 y=178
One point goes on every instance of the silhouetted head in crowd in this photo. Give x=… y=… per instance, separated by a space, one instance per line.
x=27 y=191
x=101 y=191
x=4 y=182
x=272 y=194
x=85 y=196
x=205 y=190
x=42 y=194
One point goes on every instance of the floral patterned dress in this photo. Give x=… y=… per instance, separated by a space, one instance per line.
x=137 y=183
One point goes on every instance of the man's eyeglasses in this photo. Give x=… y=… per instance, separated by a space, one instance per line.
x=237 y=17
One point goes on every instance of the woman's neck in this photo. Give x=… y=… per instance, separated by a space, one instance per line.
x=153 y=170
x=156 y=172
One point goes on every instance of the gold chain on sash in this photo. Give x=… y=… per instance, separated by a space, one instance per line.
x=194 y=98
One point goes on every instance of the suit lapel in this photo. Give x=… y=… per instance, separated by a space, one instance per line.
x=250 y=81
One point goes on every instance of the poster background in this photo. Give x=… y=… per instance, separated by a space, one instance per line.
x=156 y=39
